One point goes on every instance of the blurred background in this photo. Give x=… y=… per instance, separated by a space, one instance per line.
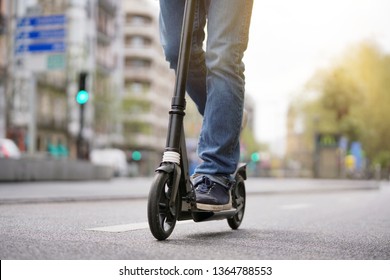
x=86 y=81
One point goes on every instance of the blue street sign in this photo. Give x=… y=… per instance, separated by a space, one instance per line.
x=41 y=34
x=41 y=47
x=41 y=21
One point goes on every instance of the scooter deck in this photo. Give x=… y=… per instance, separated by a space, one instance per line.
x=203 y=216
x=189 y=211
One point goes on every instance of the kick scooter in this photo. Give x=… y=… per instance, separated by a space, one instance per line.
x=171 y=196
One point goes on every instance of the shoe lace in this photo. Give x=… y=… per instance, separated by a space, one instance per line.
x=204 y=185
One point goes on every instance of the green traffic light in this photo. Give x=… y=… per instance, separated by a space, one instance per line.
x=82 y=97
x=255 y=157
x=136 y=155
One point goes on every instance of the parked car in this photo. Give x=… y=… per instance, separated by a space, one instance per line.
x=114 y=158
x=8 y=149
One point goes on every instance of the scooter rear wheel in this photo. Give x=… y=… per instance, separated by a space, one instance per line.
x=161 y=217
x=238 y=199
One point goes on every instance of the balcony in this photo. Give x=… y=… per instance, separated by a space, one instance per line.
x=146 y=52
x=144 y=30
x=142 y=74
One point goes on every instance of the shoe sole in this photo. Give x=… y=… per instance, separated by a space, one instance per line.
x=212 y=207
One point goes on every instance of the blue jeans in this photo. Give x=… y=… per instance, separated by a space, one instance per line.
x=216 y=81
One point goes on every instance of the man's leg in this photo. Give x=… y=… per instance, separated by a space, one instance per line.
x=228 y=28
x=171 y=19
x=219 y=148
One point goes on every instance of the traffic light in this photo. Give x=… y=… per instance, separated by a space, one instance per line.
x=255 y=157
x=82 y=95
x=136 y=156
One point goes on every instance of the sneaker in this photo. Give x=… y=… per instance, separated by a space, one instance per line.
x=212 y=193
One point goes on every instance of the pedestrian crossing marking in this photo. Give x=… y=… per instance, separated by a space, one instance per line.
x=121 y=228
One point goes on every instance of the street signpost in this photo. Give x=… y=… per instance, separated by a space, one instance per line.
x=40 y=45
x=40 y=40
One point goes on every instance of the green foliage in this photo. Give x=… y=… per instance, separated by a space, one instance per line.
x=383 y=158
x=250 y=143
x=135 y=106
x=354 y=100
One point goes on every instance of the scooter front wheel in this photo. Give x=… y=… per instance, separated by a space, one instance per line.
x=161 y=216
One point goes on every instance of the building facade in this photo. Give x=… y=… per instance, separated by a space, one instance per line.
x=93 y=45
x=3 y=68
x=148 y=87
x=108 y=74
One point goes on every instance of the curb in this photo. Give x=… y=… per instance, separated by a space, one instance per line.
x=268 y=187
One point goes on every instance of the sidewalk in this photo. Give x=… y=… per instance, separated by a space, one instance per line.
x=138 y=188
x=303 y=185
x=68 y=191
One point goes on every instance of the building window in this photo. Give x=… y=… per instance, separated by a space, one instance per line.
x=137 y=20
x=137 y=87
x=137 y=63
x=137 y=41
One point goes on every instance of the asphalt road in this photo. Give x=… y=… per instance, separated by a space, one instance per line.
x=284 y=219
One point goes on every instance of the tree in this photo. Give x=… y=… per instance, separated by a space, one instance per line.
x=354 y=100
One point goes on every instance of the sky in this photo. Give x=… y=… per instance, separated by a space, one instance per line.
x=290 y=40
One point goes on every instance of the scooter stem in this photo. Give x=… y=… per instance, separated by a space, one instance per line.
x=178 y=101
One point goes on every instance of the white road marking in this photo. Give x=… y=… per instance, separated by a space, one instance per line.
x=126 y=227
x=295 y=206
x=121 y=228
